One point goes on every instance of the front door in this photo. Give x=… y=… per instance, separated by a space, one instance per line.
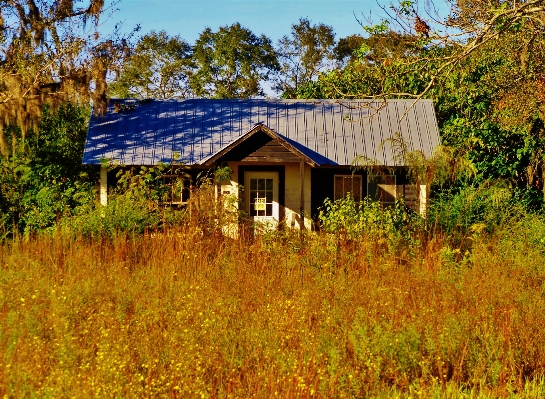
x=262 y=197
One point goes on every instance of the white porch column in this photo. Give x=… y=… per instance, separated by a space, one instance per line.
x=302 y=195
x=422 y=200
x=103 y=186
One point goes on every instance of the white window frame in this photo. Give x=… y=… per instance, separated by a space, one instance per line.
x=275 y=217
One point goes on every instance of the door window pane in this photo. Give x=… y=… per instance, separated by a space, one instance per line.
x=261 y=197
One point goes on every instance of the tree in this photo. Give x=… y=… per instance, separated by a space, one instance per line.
x=482 y=63
x=376 y=48
x=159 y=67
x=303 y=55
x=345 y=50
x=468 y=27
x=49 y=54
x=231 y=63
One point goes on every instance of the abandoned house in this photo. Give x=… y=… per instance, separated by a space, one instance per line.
x=286 y=156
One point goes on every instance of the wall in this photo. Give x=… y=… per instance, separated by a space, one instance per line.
x=290 y=204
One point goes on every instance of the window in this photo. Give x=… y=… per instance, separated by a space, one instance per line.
x=348 y=184
x=382 y=189
x=261 y=196
x=178 y=189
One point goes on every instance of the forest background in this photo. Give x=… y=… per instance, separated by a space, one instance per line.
x=449 y=305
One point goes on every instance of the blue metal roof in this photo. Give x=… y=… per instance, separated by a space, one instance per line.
x=330 y=132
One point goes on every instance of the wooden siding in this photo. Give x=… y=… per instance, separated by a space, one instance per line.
x=260 y=148
x=271 y=152
x=323 y=187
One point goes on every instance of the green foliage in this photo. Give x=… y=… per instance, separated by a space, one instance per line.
x=303 y=55
x=378 y=29
x=140 y=202
x=124 y=214
x=475 y=209
x=143 y=183
x=159 y=67
x=369 y=220
x=231 y=63
x=376 y=48
x=44 y=179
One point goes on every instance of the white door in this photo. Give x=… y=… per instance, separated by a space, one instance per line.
x=261 y=191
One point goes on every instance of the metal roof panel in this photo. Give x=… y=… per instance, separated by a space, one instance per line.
x=190 y=131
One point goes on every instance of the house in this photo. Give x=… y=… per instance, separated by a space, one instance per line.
x=287 y=156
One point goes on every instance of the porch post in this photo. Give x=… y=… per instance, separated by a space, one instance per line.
x=422 y=200
x=302 y=205
x=103 y=186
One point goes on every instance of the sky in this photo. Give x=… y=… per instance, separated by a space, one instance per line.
x=188 y=18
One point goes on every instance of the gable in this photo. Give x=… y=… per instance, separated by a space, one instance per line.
x=193 y=131
x=260 y=147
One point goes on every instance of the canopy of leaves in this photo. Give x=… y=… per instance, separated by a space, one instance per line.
x=303 y=55
x=231 y=63
x=500 y=131
x=159 y=67
x=482 y=64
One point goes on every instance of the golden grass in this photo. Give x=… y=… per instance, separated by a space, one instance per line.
x=182 y=314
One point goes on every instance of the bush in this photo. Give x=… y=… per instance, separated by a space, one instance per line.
x=43 y=179
x=122 y=215
x=368 y=219
x=484 y=208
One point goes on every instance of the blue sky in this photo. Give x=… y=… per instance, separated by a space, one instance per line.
x=271 y=17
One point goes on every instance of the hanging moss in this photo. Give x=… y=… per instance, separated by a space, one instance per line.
x=47 y=61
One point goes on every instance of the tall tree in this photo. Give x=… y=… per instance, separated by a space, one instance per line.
x=159 y=67
x=303 y=55
x=49 y=53
x=232 y=63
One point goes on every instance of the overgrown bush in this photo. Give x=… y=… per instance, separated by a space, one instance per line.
x=43 y=178
x=122 y=215
x=392 y=226
x=139 y=203
x=484 y=208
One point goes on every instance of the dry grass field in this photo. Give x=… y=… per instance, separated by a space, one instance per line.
x=184 y=313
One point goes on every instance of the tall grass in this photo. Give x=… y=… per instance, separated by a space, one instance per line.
x=188 y=312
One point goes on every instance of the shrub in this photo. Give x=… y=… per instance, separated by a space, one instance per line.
x=393 y=226
x=485 y=208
